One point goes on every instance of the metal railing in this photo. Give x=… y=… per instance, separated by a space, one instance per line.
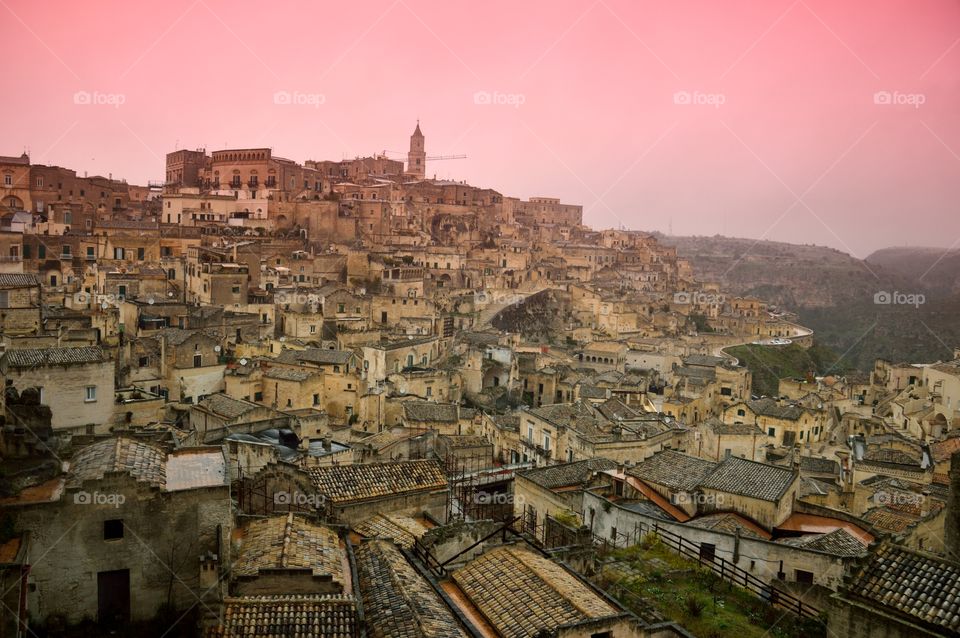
x=730 y=572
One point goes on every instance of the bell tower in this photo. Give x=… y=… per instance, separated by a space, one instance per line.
x=417 y=157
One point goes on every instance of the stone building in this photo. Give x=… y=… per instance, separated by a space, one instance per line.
x=77 y=384
x=20 y=304
x=122 y=533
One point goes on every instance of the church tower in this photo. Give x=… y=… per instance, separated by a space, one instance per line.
x=417 y=157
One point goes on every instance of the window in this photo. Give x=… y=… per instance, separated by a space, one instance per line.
x=771 y=431
x=726 y=392
x=4 y=299
x=41 y=251
x=112 y=529
x=8 y=180
x=122 y=291
x=804 y=577
x=546 y=441
x=65 y=250
x=341 y=307
x=258 y=396
x=313 y=329
x=39 y=182
x=141 y=253
x=26 y=251
x=708 y=552
x=316 y=399
x=68 y=218
x=90 y=252
x=118 y=253
x=90 y=394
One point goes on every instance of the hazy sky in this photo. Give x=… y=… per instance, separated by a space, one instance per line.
x=810 y=121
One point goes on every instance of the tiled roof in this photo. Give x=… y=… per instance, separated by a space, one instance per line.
x=18 y=280
x=327 y=616
x=890 y=455
x=287 y=374
x=32 y=358
x=819 y=465
x=429 y=411
x=839 y=542
x=402 y=530
x=673 y=470
x=289 y=542
x=912 y=583
x=520 y=592
x=770 y=407
x=346 y=483
x=176 y=336
x=567 y=474
x=318 y=356
x=732 y=429
x=227 y=407
x=397 y=601
x=730 y=523
x=703 y=360
x=613 y=409
x=749 y=478
x=142 y=461
x=943 y=450
x=889 y=520
x=592 y=392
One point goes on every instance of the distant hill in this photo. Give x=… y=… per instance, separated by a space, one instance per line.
x=935 y=268
x=834 y=293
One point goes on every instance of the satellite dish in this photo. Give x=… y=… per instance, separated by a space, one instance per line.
x=151 y=300
x=216 y=348
x=243 y=362
x=282 y=339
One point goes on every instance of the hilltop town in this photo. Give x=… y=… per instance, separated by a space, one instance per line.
x=268 y=397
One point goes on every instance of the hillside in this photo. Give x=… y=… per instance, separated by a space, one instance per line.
x=770 y=364
x=938 y=270
x=834 y=293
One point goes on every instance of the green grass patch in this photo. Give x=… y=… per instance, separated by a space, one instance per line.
x=769 y=364
x=695 y=597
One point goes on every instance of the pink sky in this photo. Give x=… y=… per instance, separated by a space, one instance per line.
x=782 y=138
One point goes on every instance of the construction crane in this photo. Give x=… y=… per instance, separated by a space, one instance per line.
x=429 y=158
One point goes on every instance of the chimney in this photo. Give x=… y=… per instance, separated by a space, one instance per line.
x=327 y=442
x=951 y=526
